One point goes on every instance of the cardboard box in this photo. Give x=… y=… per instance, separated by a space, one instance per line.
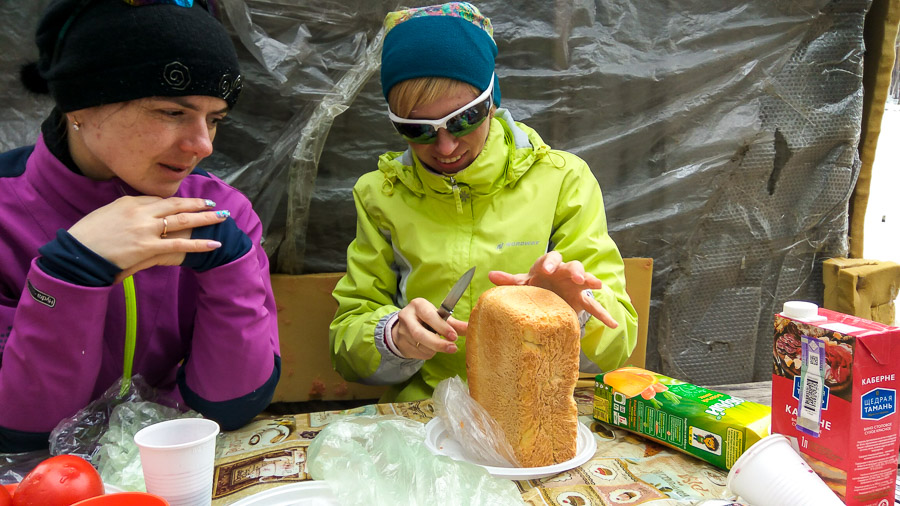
x=863 y=288
x=834 y=394
x=709 y=425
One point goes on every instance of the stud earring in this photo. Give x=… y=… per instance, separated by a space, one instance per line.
x=76 y=125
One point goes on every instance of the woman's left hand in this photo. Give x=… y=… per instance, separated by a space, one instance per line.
x=569 y=280
x=136 y=233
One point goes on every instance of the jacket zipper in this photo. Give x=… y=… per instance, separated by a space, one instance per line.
x=455 y=186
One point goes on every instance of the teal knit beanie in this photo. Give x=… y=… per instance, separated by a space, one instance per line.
x=450 y=40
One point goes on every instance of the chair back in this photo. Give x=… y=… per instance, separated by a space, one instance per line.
x=638 y=280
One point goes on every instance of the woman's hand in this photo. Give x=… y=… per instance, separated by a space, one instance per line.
x=566 y=279
x=413 y=335
x=128 y=232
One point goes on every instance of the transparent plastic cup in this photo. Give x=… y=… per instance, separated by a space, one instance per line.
x=177 y=457
x=771 y=472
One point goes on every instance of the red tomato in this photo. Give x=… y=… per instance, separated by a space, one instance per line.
x=59 y=481
x=11 y=488
x=5 y=498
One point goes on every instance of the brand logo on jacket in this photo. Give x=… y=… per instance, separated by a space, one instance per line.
x=43 y=298
x=513 y=244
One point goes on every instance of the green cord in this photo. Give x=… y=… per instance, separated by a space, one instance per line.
x=130 y=333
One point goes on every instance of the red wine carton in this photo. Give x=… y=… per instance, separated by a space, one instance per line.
x=834 y=395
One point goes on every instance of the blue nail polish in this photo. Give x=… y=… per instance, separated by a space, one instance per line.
x=223 y=214
x=210 y=203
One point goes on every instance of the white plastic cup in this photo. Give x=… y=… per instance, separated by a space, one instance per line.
x=772 y=473
x=177 y=457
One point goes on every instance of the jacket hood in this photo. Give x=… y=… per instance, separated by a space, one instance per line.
x=511 y=148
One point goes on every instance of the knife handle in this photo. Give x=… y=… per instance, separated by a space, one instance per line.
x=443 y=313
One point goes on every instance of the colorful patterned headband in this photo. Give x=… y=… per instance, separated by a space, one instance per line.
x=462 y=10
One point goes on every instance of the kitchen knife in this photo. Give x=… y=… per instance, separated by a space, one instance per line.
x=446 y=307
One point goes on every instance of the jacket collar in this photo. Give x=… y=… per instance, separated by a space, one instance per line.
x=509 y=151
x=68 y=189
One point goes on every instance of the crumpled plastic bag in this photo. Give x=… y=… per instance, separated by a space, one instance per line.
x=478 y=434
x=103 y=431
x=118 y=459
x=382 y=460
x=14 y=466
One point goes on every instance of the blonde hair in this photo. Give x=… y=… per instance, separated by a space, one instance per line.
x=407 y=95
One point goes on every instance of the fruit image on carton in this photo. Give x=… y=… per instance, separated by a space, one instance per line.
x=709 y=425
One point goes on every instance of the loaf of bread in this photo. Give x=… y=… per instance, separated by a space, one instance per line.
x=522 y=349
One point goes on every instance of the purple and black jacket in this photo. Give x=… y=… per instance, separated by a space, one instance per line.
x=207 y=339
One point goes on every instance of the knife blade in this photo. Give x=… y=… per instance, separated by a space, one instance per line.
x=459 y=288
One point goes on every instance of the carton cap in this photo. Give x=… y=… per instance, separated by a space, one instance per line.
x=800 y=310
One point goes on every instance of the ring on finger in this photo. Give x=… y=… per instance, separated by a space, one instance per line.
x=165 y=228
x=417 y=344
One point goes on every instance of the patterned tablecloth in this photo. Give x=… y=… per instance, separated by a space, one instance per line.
x=625 y=470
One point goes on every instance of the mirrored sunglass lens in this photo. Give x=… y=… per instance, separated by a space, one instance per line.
x=467 y=121
x=416 y=132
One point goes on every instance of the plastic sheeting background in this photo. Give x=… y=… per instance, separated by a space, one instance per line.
x=724 y=138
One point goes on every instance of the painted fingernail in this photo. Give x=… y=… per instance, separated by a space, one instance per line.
x=223 y=214
x=213 y=244
x=210 y=203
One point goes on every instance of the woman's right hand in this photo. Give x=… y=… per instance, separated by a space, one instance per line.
x=413 y=335
x=128 y=232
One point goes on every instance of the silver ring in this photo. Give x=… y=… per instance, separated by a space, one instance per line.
x=165 y=228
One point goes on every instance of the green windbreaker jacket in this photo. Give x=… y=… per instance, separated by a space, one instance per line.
x=418 y=231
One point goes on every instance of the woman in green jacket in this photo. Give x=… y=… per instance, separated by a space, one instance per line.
x=475 y=188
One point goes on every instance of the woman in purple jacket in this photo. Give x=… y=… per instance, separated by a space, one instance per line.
x=109 y=232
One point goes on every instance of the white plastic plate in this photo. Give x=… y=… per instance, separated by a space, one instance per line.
x=438 y=440
x=304 y=493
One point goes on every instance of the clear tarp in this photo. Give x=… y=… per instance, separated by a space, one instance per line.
x=724 y=137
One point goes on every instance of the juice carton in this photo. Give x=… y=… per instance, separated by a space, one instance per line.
x=834 y=395
x=709 y=425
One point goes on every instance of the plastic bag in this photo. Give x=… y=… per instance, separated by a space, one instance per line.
x=382 y=460
x=103 y=431
x=480 y=436
x=14 y=466
x=118 y=459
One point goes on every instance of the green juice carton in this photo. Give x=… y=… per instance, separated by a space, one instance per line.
x=709 y=425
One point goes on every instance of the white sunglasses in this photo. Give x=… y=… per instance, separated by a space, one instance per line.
x=462 y=121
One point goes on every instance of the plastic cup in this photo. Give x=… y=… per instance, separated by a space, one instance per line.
x=771 y=472
x=177 y=457
x=124 y=499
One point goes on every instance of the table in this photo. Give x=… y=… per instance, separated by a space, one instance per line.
x=626 y=469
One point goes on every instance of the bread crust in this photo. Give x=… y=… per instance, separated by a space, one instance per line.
x=522 y=350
